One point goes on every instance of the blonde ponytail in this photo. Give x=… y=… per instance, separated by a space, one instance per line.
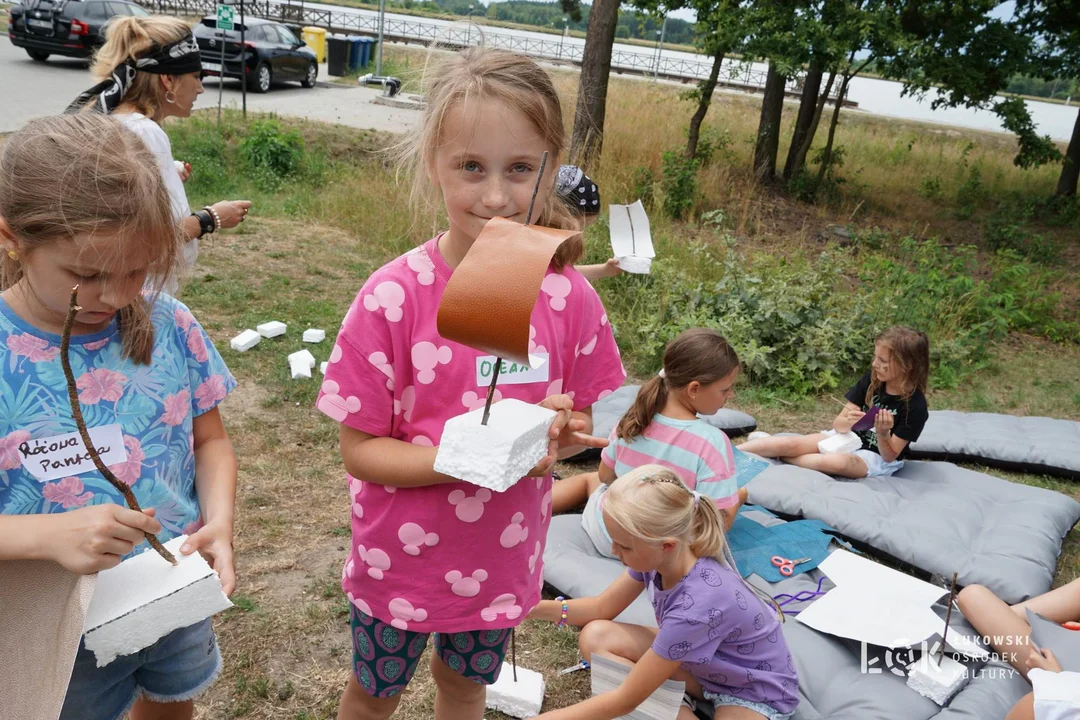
x=652 y=504
x=128 y=38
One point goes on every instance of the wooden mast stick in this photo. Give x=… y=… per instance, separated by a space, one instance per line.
x=498 y=361
x=80 y=423
x=948 y=615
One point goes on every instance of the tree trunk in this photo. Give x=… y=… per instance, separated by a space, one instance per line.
x=1070 y=173
x=805 y=120
x=707 y=89
x=808 y=141
x=826 y=156
x=588 y=135
x=768 y=135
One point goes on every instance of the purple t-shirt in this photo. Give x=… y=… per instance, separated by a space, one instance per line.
x=723 y=635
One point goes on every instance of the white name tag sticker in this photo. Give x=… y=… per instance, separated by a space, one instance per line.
x=61 y=456
x=512 y=373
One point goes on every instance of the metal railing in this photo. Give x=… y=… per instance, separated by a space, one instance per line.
x=746 y=75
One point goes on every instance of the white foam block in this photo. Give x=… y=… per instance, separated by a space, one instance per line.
x=144 y=598
x=847 y=442
x=635 y=264
x=304 y=355
x=496 y=455
x=271 y=329
x=937 y=681
x=299 y=368
x=323 y=366
x=245 y=341
x=521 y=699
x=314 y=335
x=608 y=673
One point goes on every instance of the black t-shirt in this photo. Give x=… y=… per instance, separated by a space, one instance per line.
x=908 y=417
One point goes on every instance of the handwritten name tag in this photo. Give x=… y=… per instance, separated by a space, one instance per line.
x=512 y=373
x=64 y=455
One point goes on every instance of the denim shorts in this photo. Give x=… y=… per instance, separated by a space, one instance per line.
x=720 y=700
x=876 y=465
x=177 y=667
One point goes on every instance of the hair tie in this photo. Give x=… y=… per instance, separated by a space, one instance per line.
x=697 y=496
x=662 y=375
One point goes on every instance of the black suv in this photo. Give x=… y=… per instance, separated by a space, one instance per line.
x=74 y=28
x=270 y=53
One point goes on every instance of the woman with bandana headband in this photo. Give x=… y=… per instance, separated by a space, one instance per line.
x=580 y=194
x=150 y=69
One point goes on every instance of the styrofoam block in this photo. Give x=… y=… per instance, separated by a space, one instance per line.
x=314 y=335
x=144 y=598
x=323 y=366
x=304 y=355
x=272 y=329
x=937 y=681
x=496 y=455
x=245 y=341
x=635 y=264
x=180 y=167
x=847 y=442
x=521 y=699
x=299 y=368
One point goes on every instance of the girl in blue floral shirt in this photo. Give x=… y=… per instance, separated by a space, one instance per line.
x=82 y=203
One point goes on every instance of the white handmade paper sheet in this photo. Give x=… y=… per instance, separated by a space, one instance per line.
x=631 y=238
x=874 y=604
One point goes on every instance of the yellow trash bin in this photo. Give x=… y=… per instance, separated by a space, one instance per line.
x=315 y=38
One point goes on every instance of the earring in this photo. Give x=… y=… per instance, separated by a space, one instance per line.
x=171 y=101
x=13 y=255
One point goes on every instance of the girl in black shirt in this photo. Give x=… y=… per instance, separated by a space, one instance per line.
x=896 y=385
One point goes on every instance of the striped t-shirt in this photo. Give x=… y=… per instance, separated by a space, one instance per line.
x=698 y=453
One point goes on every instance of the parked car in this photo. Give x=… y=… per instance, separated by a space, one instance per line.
x=73 y=28
x=270 y=52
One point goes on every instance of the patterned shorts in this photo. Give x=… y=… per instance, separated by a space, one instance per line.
x=385 y=658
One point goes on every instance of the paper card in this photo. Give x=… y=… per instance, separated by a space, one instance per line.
x=61 y=456
x=512 y=373
x=40 y=627
x=1064 y=643
x=630 y=233
x=874 y=604
x=609 y=673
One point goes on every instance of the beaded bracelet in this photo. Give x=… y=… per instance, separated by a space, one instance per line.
x=217 y=218
x=565 y=611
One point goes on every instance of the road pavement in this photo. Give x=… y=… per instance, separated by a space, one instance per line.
x=30 y=89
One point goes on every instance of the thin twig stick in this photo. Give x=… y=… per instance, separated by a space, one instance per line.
x=80 y=423
x=498 y=361
x=513 y=651
x=948 y=615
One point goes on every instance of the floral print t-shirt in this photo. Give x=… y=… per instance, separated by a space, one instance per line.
x=154 y=406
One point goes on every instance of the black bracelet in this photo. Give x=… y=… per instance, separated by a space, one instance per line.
x=206 y=222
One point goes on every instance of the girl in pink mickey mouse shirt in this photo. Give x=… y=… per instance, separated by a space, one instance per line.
x=429 y=553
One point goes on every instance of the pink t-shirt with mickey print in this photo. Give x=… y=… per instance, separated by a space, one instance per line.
x=452 y=557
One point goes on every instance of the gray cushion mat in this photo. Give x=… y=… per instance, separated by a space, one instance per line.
x=608 y=411
x=1025 y=444
x=832 y=683
x=939 y=518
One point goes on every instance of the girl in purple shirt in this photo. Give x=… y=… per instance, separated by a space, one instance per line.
x=713 y=630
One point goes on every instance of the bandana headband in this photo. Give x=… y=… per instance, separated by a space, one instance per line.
x=579 y=193
x=176 y=58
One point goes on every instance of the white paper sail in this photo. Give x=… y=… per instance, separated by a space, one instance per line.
x=631 y=238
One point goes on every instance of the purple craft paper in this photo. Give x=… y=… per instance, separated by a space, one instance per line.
x=866 y=421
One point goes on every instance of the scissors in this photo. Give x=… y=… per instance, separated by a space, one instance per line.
x=787 y=567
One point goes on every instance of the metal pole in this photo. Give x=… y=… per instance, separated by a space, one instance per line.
x=660 y=48
x=378 y=55
x=243 y=50
x=221 y=79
